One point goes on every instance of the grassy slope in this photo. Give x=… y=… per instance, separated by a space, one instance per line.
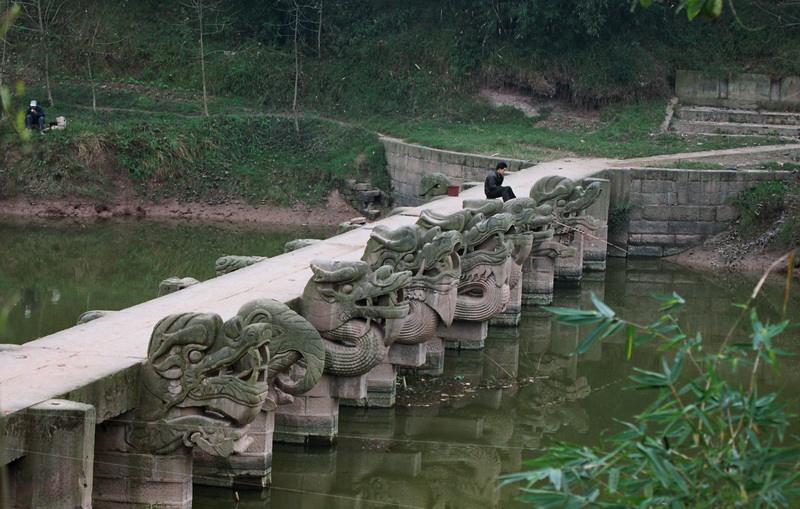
x=397 y=68
x=238 y=156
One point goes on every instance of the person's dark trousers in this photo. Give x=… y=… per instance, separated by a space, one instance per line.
x=505 y=192
x=30 y=120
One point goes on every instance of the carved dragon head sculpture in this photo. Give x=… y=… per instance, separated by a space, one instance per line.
x=228 y=264
x=564 y=195
x=357 y=310
x=433 y=184
x=205 y=380
x=432 y=257
x=483 y=286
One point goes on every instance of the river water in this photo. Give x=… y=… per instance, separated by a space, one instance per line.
x=449 y=437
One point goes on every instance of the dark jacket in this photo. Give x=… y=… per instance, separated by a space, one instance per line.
x=492 y=185
x=35 y=111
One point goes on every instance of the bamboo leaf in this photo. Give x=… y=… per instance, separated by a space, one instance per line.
x=602 y=307
x=789 y=278
x=613 y=480
x=592 y=337
x=630 y=332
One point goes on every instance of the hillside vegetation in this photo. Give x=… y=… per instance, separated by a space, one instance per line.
x=411 y=69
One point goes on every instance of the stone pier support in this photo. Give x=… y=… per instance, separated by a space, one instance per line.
x=381 y=388
x=250 y=469
x=57 y=467
x=313 y=418
x=512 y=314
x=125 y=478
x=464 y=335
x=538 y=272
x=569 y=264
x=434 y=358
x=596 y=246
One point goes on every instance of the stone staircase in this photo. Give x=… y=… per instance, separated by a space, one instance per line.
x=707 y=120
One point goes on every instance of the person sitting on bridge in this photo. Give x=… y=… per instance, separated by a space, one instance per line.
x=493 y=185
x=34 y=116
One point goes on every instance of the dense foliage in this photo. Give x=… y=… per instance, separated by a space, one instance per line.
x=710 y=438
x=361 y=58
x=772 y=207
x=258 y=160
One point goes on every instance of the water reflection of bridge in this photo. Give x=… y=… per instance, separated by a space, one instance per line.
x=444 y=446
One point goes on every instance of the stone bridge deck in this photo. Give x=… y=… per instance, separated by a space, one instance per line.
x=97 y=362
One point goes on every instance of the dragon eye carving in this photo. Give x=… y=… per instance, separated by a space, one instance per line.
x=347 y=289
x=195 y=356
x=408 y=258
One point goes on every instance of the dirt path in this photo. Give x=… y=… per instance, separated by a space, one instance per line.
x=746 y=152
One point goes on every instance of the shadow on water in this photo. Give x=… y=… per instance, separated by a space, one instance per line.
x=450 y=437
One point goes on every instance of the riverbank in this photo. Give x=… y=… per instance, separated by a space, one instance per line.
x=724 y=253
x=334 y=211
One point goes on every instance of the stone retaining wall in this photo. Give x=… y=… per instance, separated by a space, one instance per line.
x=738 y=91
x=673 y=209
x=407 y=163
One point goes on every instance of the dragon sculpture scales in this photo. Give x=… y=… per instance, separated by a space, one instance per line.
x=483 y=286
x=357 y=311
x=205 y=380
x=529 y=223
x=432 y=257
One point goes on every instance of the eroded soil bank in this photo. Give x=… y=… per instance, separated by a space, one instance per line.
x=335 y=210
x=725 y=253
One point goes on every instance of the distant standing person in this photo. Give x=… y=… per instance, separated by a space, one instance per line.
x=493 y=185
x=34 y=116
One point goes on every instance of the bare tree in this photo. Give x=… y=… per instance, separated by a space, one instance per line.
x=319 y=29
x=298 y=24
x=89 y=36
x=206 y=14
x=42 y=15
x=5 y=6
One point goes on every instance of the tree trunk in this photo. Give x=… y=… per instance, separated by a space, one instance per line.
x=202 y=57
x=319 y=31
x=91 y=81
x=4 y=44
x=89 y=56
x=46 y=50
x=296 y=63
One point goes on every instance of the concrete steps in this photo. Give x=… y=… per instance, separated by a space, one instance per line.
x=734 y=128
x=713 y=121
x=725 y=115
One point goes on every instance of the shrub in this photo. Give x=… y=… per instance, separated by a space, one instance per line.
x=759 y=205
x=705 y=441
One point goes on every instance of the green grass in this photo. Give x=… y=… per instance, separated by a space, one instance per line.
x=156 y=139
x=625 y=131
x=218 y=159
x=690 y=165
x=779 y=166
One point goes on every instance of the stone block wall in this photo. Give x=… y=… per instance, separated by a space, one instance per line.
x=670 y=210
x=407 y=163
x=739 y=91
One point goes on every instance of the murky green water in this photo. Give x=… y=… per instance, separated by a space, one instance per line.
x=51 y=272
x=449 y=438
